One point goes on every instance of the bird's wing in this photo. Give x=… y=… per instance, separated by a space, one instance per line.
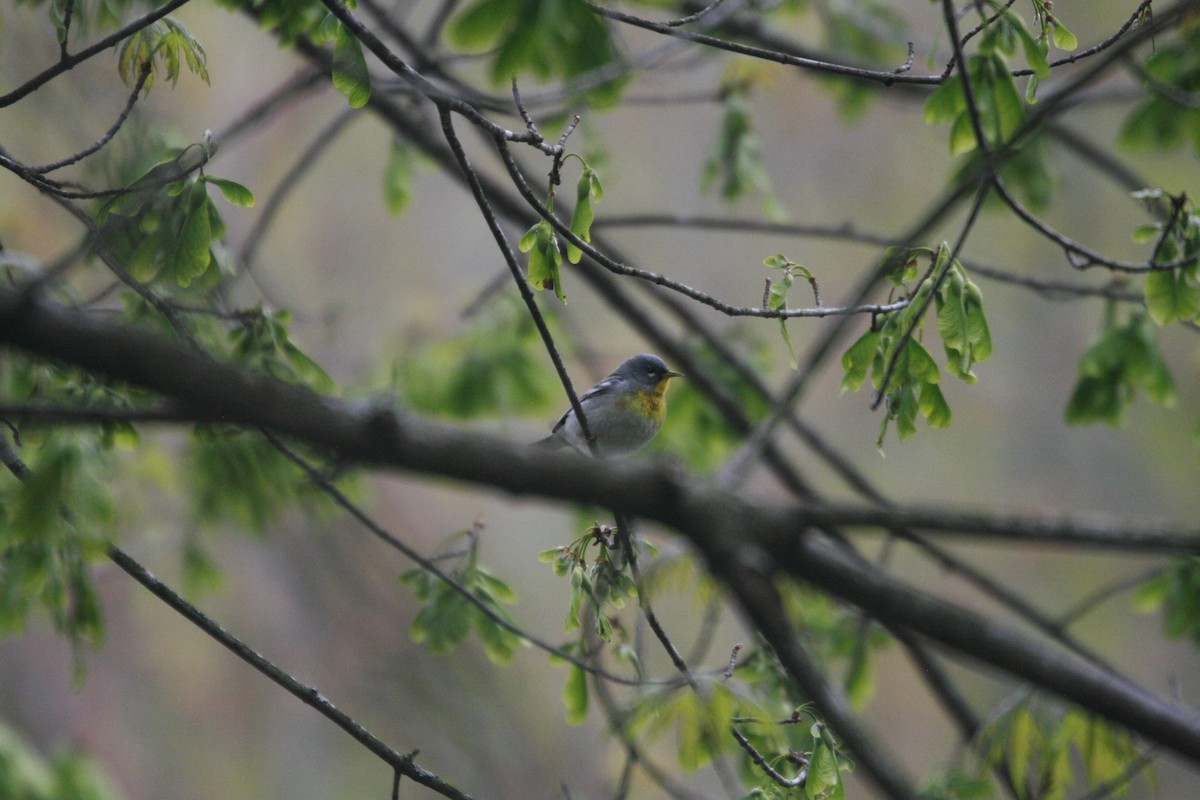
x=600 y=389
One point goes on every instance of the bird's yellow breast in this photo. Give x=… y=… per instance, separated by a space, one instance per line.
x=651 y=404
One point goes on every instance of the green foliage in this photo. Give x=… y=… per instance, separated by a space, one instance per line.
x=263 y=344
x=165 y=45
x=777 y=294
x=598 y=587
x=913 y=386
x=165 y=227
x=546 y=38
x=238 y=476
x=545 y=258
x=869 y=32
x=448 y=616
x=998 y=103
x=1176 y=591
x=1111 y=371
x=25 y=775
x=956 y=785
x=837 y=637
x=1173 y=294
x=397 y=177
x=51 y=526
x=587 y=191
x=736 y=160
x=825 y=767
x=85 y=17
x=1047 y=753
x=288 y=19
x=496 y=366
x=1166 y=119
x=350 y=75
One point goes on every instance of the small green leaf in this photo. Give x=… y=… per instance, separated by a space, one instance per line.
x=581 y=219
x=1063 y=38
x=1147 y=232
x=777 y=261
x=233 y=191
x=397 y=177
x=1169 y=297
x=946 y=103
x=933 y=406
x=190 y=256
x=857 y=360
x=350 y=75
x=575 y=695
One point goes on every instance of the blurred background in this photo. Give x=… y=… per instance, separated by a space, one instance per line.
x=169 y=714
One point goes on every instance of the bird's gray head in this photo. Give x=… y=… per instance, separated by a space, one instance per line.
x=646 y=370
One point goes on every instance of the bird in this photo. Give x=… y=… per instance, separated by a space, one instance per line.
x=624 y=411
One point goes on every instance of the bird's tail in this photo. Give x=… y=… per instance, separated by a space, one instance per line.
x=551 y=442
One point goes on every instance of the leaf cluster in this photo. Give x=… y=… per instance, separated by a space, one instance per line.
x=448 y=617
x=164 y=226
x=1045 y=753
x=1111 y=371
x=1176 y=591
x=545 y=38
x=913 y=386
x=496 y=366
x=1169 y=116
x=165 y=47
x=599 y=586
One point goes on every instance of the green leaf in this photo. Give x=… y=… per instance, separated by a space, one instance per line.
x=933 y=406
x=1169 y=297
x=581 y=219
x=1063 y=39
x=857 y=360
x=189 y=256
x=962 y=135
x=547 y=38
x=233 y=191
x=397 y=177
x=350 y=75
x=1034 y=49
x=946 y=103
x=575 y=695
x=544 y=259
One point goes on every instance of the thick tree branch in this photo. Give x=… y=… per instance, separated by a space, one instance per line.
x=733 y=535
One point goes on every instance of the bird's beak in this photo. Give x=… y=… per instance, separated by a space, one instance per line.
x=671 y=374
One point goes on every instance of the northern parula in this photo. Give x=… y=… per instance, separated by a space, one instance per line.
x=624 y=411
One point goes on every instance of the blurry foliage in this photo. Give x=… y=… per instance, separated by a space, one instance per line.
x=1170 y=115
x=546 y=38
x=1046 y=753
x=736 y=162
x=1123 y=360
x=956 y=785
x=52 y=525
x=447 y=617
x=495 y=367
x=165 y=47
x=25 y=775
x=1176 y=592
